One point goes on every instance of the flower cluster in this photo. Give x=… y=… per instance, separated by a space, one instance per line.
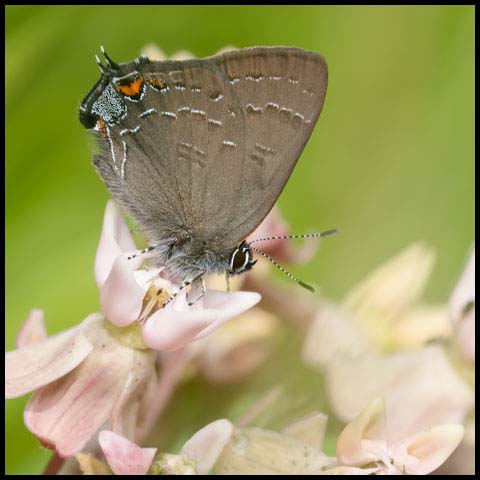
x=105 y=369
x=364 y=447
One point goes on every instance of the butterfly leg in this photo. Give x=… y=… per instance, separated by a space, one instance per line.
x=197 y=291
x=183 y=285
x=142 y=252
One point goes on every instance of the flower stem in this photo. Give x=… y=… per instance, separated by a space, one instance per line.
x=54 y=465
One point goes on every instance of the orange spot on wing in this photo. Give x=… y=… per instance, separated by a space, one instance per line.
x=157 y=83
x=101 y=128
x=132 y=89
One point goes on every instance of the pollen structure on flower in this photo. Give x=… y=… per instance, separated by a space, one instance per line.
x=153 y=301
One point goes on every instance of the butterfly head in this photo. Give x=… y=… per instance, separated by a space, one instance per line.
x=241 y=259
x=107 y=101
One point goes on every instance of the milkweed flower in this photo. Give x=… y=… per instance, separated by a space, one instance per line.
x=353 y=342
x=364 y=447
x=197 y=456
x=104 y=369
x=129 y=293
x=380 y=314
x=366 y=442
x=462 y=316
x=297 y=449
x=81 y=378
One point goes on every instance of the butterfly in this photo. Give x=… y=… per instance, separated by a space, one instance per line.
x=198 y=151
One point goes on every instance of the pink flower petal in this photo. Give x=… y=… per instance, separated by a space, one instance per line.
x=464 y=291
x=393 y=287
x=462 y=310
x=333 y=332
x=145 y=277
x=426 y=451
x=309 y=429
x=168 y=329
x=274 y=225
x=207 y=444
x=36 y=365
x=115 y=240
x=33 y=330
x=160 y=391
x=66 y=413
x=363 y=440
x=127 y=408
x=421 y=389
x=237 y=348
x=465 y=335
x=226 y=305
x=462 y=460
x=123 y=456
x=121 y=298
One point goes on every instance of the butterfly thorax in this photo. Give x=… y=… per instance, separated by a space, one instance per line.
x=188 y=257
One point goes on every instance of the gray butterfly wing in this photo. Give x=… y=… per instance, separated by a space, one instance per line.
x=280 y=92
x=207 y=154
x=157 y=161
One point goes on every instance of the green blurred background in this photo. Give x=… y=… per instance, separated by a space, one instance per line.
x=390 y=161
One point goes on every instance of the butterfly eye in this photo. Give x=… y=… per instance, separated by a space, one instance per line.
x=240 y=259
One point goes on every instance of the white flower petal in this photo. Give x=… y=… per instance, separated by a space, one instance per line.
x=39 y=364
x=123 y=456
x=363 y=441
x=426 y=451
x=421 y=389
x=257 y=451
x=121 y=298
x=309 y=429
x=462 y=310
x=464 y=291
x=207 y=444
x=226 y=305
x=390 y=289
x=33 y=330
x=168 y=329
x=333 y=332
x=115 y=240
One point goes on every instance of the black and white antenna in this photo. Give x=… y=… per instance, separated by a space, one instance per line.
x=289 y=237
x=288 y=274
x=101 y=66
x=142 y=252
x=109 y=61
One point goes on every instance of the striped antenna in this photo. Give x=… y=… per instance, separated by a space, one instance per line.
x=101 y=66
x=169 y=300
x=287 y=237
x=142 y=252
x=148 y=249
x=110 y=62
x=288 y=274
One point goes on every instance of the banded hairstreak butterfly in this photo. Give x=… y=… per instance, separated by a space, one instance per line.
x=198 y=151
